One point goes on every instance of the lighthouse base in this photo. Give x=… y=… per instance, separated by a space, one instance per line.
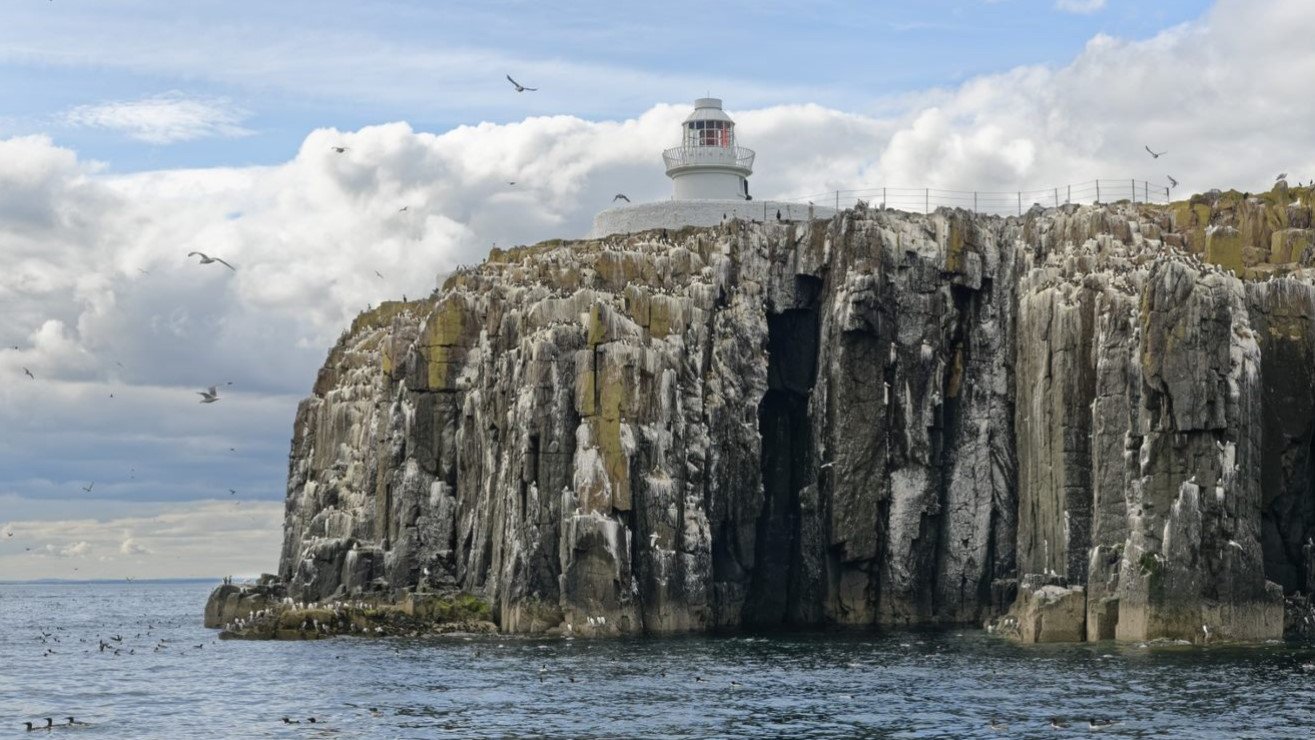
x=676 y=214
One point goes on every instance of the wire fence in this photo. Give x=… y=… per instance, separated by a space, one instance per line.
x=998 y=202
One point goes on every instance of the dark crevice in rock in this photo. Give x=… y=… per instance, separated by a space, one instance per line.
x=778 y=581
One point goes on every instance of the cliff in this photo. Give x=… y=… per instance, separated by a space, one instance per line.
x=878 y=419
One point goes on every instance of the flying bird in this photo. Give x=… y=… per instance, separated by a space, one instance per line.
x=1154 y=155
x=1172 y=182
x=209 y=396
x=339 y=149
x=519 y=87
x=89 y=486
x=231 y=492
x=144 y=272
x=403 y=208
x=620 y=196
x=205 y=260
x=1281 y=176
x=380 y=274
x=29 y=374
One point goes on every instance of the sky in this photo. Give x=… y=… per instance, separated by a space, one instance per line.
x=134 y=132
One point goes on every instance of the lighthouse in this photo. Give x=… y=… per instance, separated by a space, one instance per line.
x=709 y=164
x=709 y=171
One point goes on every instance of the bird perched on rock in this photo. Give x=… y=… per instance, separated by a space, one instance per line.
x=205 y=260
x=519 y=87
x=209 y=396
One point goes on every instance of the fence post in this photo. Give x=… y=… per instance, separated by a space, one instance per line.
x=1134 y=191
x=1098 y=190
x=1068 y=194
x=1146 y=191
x=974 y=201
x=1166 y=195
x=926 y=200
x=837 y=200
x=1020 y=202
x=1057 y=197
x=883 y=197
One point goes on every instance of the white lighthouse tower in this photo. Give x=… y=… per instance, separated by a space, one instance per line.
x=708 y=164
x=710 y=171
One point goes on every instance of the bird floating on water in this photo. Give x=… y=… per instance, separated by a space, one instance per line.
x=519 y=87
x=206 y=260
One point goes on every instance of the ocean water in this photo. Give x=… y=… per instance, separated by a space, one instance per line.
x=945 y=684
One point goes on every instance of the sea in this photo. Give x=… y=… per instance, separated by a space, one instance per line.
x=166 y=676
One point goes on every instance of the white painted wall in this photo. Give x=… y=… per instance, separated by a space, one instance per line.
x=675 y=214
x=709 y=184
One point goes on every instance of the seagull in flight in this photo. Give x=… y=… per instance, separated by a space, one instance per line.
x=144 y=272
x=380 y=274
x=620 y=196
x=29 y=374
x=89 y=486
x=209 y=396
x=205 y=260
x=339 y=149
x=1154 y=155
x=402 y=209
x=1172 y=182
x=519 y=87
x=1281 y=176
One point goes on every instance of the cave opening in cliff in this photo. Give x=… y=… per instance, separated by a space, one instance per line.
x=783 y=423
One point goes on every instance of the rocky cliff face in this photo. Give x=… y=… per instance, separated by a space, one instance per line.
x=881 y=419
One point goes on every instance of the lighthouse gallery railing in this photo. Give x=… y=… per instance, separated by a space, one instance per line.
x=682 y=156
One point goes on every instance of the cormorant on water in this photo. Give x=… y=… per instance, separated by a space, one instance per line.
x=287 y=721
x=1099 y=724
x=1058 y=724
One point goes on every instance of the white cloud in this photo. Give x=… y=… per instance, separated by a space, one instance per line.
x=164 y=119
x=71 y=550
x=1080 y=6
x=208 y=538
x=130 y=546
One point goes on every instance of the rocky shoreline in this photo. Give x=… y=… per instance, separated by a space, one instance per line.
x=264 y=611
x=1084 y=423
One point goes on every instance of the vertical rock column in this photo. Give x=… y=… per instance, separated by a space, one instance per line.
x=1192 y=564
